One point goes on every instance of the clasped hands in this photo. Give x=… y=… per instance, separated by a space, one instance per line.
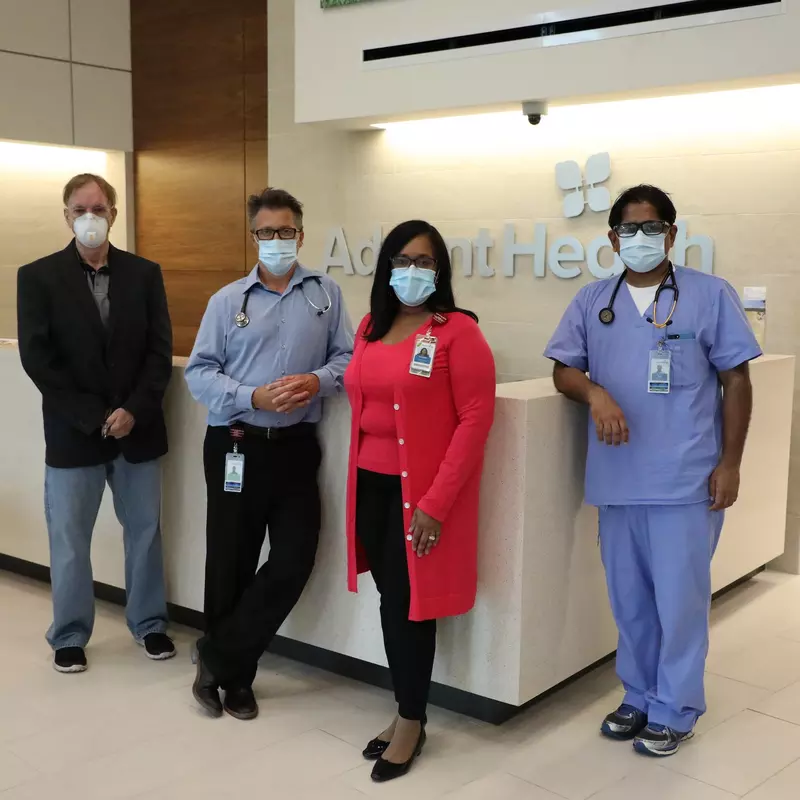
x=287 y=394
x=119 y=424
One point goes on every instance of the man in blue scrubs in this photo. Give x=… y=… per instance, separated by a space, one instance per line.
x=664 y=456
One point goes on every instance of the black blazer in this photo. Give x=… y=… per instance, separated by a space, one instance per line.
x=85 y=371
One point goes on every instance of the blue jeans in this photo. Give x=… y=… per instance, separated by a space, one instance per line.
x=72 y=501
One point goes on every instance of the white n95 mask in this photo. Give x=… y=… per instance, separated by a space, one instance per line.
x=90 y=230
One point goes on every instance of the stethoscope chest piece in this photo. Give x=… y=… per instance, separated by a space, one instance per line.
x=241 y=320
x=607 y=316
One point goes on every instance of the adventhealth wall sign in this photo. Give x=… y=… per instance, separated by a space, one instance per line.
x=560 y=257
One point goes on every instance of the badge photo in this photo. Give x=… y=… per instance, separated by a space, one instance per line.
x=660 y=372
x=424 y=353
x=234 y=472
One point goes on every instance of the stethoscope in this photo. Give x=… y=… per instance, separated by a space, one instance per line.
x=242 y=320
x=607 y=315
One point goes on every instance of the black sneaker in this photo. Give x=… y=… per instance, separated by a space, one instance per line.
x=158 y=646
x=624 y=724
x=70 y=659
x=659 y=740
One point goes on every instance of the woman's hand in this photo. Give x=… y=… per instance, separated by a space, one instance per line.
x=424 y=533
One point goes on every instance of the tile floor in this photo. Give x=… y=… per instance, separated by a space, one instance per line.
x=128 y=728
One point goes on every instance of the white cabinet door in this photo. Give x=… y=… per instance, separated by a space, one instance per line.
x=39 y=28
x=35 y=100
x=103 y=108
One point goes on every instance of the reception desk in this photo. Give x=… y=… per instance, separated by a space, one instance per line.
x=542 y=614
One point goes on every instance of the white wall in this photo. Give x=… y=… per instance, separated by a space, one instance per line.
x=733 y=176
x=32 y=178
x=334 y=84
x=65 y=72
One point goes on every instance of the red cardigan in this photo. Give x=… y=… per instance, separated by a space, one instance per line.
x=443 y=423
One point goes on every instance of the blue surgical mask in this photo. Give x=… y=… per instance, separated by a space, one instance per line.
x=412 y=285
x=643 y=253
x=278 y=255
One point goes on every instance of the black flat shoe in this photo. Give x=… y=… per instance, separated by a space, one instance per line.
x=375 y=749
x=241 y=703
x=206 y=690
x=387 y=771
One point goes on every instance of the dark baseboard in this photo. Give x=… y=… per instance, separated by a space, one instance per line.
x=466 y=703
x=471 y=705
x=736 y=584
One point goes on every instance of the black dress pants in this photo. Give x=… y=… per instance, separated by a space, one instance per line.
x=410 y=646
x=245 y=608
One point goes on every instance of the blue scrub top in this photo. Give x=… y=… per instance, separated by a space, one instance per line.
x=675 y=439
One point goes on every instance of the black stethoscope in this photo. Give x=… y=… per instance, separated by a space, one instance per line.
x=607 y=315
x=242 y=320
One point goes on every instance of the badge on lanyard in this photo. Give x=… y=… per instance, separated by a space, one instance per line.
x=234 y=471
x=660 y=372
x=424 y=353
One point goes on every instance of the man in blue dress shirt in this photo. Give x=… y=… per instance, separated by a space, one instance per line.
x=269 y=348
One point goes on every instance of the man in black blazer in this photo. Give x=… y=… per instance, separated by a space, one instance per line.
x=95 y=337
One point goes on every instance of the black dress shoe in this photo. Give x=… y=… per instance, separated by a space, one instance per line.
x=375 y=749
x=387 y=771
x=206 y=690
x=241 y=703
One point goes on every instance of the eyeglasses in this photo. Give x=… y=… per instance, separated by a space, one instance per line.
x=268 y=234
x=98 y=211
x=650 y=228
x=423 y=262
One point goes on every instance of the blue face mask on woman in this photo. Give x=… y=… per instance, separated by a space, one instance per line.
x=412 y=285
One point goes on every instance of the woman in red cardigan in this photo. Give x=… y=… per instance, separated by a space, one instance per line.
x=422 y=389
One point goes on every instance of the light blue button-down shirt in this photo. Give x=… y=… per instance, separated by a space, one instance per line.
x=286 y=336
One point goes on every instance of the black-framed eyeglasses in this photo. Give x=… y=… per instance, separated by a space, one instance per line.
x=422 y=262
x=268 y=234
x=653 y=227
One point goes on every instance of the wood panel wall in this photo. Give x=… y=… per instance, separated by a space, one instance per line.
x=200 y=138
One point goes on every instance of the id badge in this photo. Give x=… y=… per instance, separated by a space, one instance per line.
x=234 y=472
x=424 y=353
x=660 y=372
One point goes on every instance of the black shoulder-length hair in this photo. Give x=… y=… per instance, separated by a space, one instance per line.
x=384 y=304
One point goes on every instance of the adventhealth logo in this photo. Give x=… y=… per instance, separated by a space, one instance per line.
x=561 y=257
x=582 y=190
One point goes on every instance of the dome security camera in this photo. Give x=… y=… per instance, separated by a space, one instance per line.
x=534 y=110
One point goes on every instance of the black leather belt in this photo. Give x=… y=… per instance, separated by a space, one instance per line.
x=241 y=430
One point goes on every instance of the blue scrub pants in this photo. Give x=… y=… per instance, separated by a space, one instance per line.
x=658 y=570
